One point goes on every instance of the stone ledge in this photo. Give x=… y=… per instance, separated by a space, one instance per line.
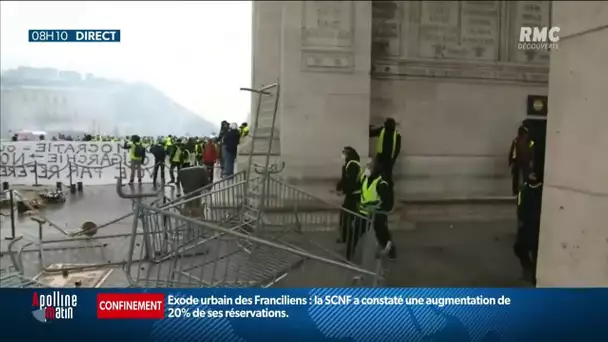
x=538 y=74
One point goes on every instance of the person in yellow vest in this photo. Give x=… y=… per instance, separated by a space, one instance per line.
x=521 y=158
x=198 y=151
x=137 y=156
x=388 y=147
x=350 y=186
x=244 y=130
x=175 y=159
x=376 y=202
x=529 y=204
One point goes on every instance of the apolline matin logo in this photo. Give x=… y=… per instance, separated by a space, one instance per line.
x=538 y=38
x=53 y=306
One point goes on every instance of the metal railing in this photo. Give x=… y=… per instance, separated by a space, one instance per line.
x=183 y=252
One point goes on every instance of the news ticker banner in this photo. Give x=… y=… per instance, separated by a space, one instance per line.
x=70 y=36
x=321 y=314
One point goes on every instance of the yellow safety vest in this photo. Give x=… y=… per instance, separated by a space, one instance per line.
x=515 y=147
x=369 y=194
x=132 y=151
x=244 y=131
x=380 y=143
x=358 y=164
x=177 y=155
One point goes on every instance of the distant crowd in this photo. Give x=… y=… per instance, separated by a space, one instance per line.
x=178 y=151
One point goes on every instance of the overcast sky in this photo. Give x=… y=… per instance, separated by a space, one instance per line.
x=198 y=53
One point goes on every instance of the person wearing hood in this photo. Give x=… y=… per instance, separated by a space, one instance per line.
x=529 y=203
x=230 y=148
x=376 y=202
x=350 y=186
x=388 y=147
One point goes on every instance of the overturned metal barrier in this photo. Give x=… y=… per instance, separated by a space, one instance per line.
x=180 y=251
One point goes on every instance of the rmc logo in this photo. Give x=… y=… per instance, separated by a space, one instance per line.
x=538 y=38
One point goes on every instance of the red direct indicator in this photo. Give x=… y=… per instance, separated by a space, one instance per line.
x=130 y=306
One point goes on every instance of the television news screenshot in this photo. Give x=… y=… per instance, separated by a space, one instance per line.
x=362 y=171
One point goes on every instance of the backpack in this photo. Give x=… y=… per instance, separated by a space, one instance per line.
x=140 y=151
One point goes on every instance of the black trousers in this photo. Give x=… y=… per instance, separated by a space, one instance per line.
x=518 y=172
x=383 y=235
x=358 y=227
x=386 y=164
x=526 y=246
x=347 y=218
x=210 y=170
x=159 y=165
x=174 y=165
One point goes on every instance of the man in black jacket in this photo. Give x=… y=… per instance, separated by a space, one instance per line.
x=350 y=185
x=529 y=203
x=230 y=148
x=388 y=147
x=159 y=153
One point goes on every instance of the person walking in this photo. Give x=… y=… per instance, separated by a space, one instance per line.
x=350 y=186
x=375 y=204
x=529 y=203
x=137 y=155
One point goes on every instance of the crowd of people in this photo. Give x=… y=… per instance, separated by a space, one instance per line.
x=181 y=152
x=368 y=190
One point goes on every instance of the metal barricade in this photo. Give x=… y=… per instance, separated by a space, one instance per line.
x=219 y=247
x=180 y=251
x=91 y=257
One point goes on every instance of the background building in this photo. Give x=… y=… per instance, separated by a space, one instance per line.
x=62 y=101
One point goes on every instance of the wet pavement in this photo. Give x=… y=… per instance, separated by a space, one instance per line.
x=467 y=254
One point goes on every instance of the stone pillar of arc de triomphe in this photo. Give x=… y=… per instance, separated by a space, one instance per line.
x=448 y=72
x=574 y=229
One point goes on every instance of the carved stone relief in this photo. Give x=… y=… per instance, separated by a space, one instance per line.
x=324 y=61
x=466 y=39
x=460 y=30
x=328 y=36
x=327 y=24
x=531 y=14
x=463 y=70
x=386 y=28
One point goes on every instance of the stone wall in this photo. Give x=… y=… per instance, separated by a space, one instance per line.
x=574 y=230
x=451 y=75
x=449 y=72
